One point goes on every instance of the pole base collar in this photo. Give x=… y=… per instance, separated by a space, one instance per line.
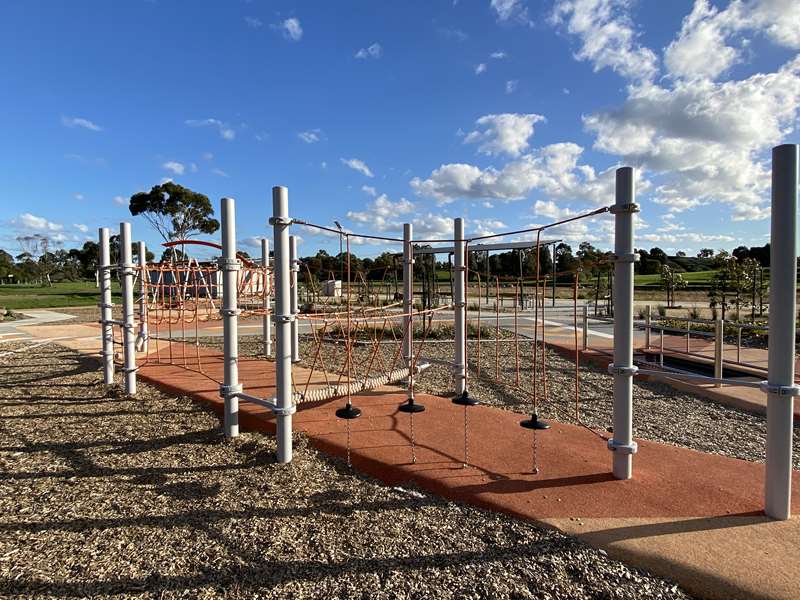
x=409 y=406
x=465 y=400
x=622 y=448
x=348 y=412
x=534 y=423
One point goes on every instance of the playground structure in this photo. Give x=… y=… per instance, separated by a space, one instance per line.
x=247 y=288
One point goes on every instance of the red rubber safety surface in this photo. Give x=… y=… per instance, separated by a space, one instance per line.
x=574 y=478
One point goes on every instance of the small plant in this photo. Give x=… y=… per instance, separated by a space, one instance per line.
x=642 y=313
x=661 y=310
x=694 y=313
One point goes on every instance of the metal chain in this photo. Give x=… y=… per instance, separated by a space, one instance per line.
x=347 y=422
x=413 y=445
x=535 y=469
x=466 y=440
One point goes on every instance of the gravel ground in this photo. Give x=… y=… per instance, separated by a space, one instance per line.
x=103 y=495
x=661 y=413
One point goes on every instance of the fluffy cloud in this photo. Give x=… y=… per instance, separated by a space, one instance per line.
x=80 y=122
x=81 y=227
x=291 y=29
x=481 y=68
x=357 y=165
x=506 y=133
x=373 y=51
x=225 y=132
x=120 y=200
x=607 y=36
x=35 y=223
x=174 y=166
x=311 y=136
x=507 y=10
x=511 y=86
x=551 y=170
x=381 y=212
x=499 y=55
x=710 y=41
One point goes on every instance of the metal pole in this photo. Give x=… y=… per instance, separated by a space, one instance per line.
x=459 y=308
x=283 y=320
x=688 y=335
x=294 y=265
x=661 y=349
x=648 y=320
x=104 y=277
x=554 y=275
x=738 y=344
x=719 y=339
x=782 y=306
x=143 y=281
x=128 y=324
x=230 y=319
x=266 y=325
x=622 y=445
x=585 y=327
x=408 y=292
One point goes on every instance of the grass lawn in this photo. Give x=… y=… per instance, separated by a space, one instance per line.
x=692 y=279
x=71 y=293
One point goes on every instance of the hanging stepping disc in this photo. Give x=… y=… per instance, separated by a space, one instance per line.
x=534 y=423
x=465 y=400
x=409 y=406
x=348 y=412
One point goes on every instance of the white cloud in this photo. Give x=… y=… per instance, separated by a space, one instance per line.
x=607 y=36
x=486 y=226
x=80 y=122
x=291 y=29
x=373 y=51
x=499 y=55
x=253 y=22
x=174 y=166
x=208 y=156
x=507 y=10
x=453 y=34
x=121 y=200
x=710 y=40
x=553 y=170
x=380 y=213
x=481 y=68
x=225 y=131
x=551 y=210
x=219 y=172
x=312 y=136
x=35 y=223
x=506 y=133
x=78 y=196
x=368 y=189
x=80 y=227
x=511 y=86
x=357 y=165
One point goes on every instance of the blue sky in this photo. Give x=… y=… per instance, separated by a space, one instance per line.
x=509 y=113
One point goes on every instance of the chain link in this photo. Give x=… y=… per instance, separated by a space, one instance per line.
x=347 y=422
x=466 y=439
x=413 y=444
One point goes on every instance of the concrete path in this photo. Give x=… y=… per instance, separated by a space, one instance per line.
x=16 y=329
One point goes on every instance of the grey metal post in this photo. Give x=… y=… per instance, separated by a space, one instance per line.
x=230 y=266
x=293 y=260
x=459 y=307
x=143 y=281
x=719 y=340
x=585 y=328
x=267 y=320
x=128 y=324
x=622 y=445
x=408 y=291
x=782 y=311
x=661 y=348
x=107 y=332
x=648 y=321
x=283 y=323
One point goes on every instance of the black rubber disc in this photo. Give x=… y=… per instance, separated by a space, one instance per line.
x=465 y=400
x=348 y=412
x=534 y=423
x=409 y=406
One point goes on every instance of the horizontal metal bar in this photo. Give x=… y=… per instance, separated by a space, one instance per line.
x=484 y=247
x=701 y=378
x=256 y=400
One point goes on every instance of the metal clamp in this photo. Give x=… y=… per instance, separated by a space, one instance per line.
x=633 y=257
x=620 y=370
x=228 y=264
x=460 y=269
x=618 y=209
x=284 y=318
x=622 y=448
x=104 y=305
x=284 y=412
x=780 y=390
x=459 y=304
x=280 y=221
x=230 y=312
x=104 y=267
x=230 y=390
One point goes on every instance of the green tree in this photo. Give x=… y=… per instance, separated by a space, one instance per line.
x=175 y=212
x=671 y=280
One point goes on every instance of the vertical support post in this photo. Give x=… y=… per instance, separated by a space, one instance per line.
x=283 y=323
x=408 y=292
x=460 y=308
x=294 y=265
x=266 y=324
x=622 y=445
x=661 y=348
x=141 y=342
x=128 y=324
x=585 y=327
x=782 y=313
x=648 y=321
x=229 y=266
x=107 y=332
x=719 y=340
x=688 y=335
x=739 y=344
